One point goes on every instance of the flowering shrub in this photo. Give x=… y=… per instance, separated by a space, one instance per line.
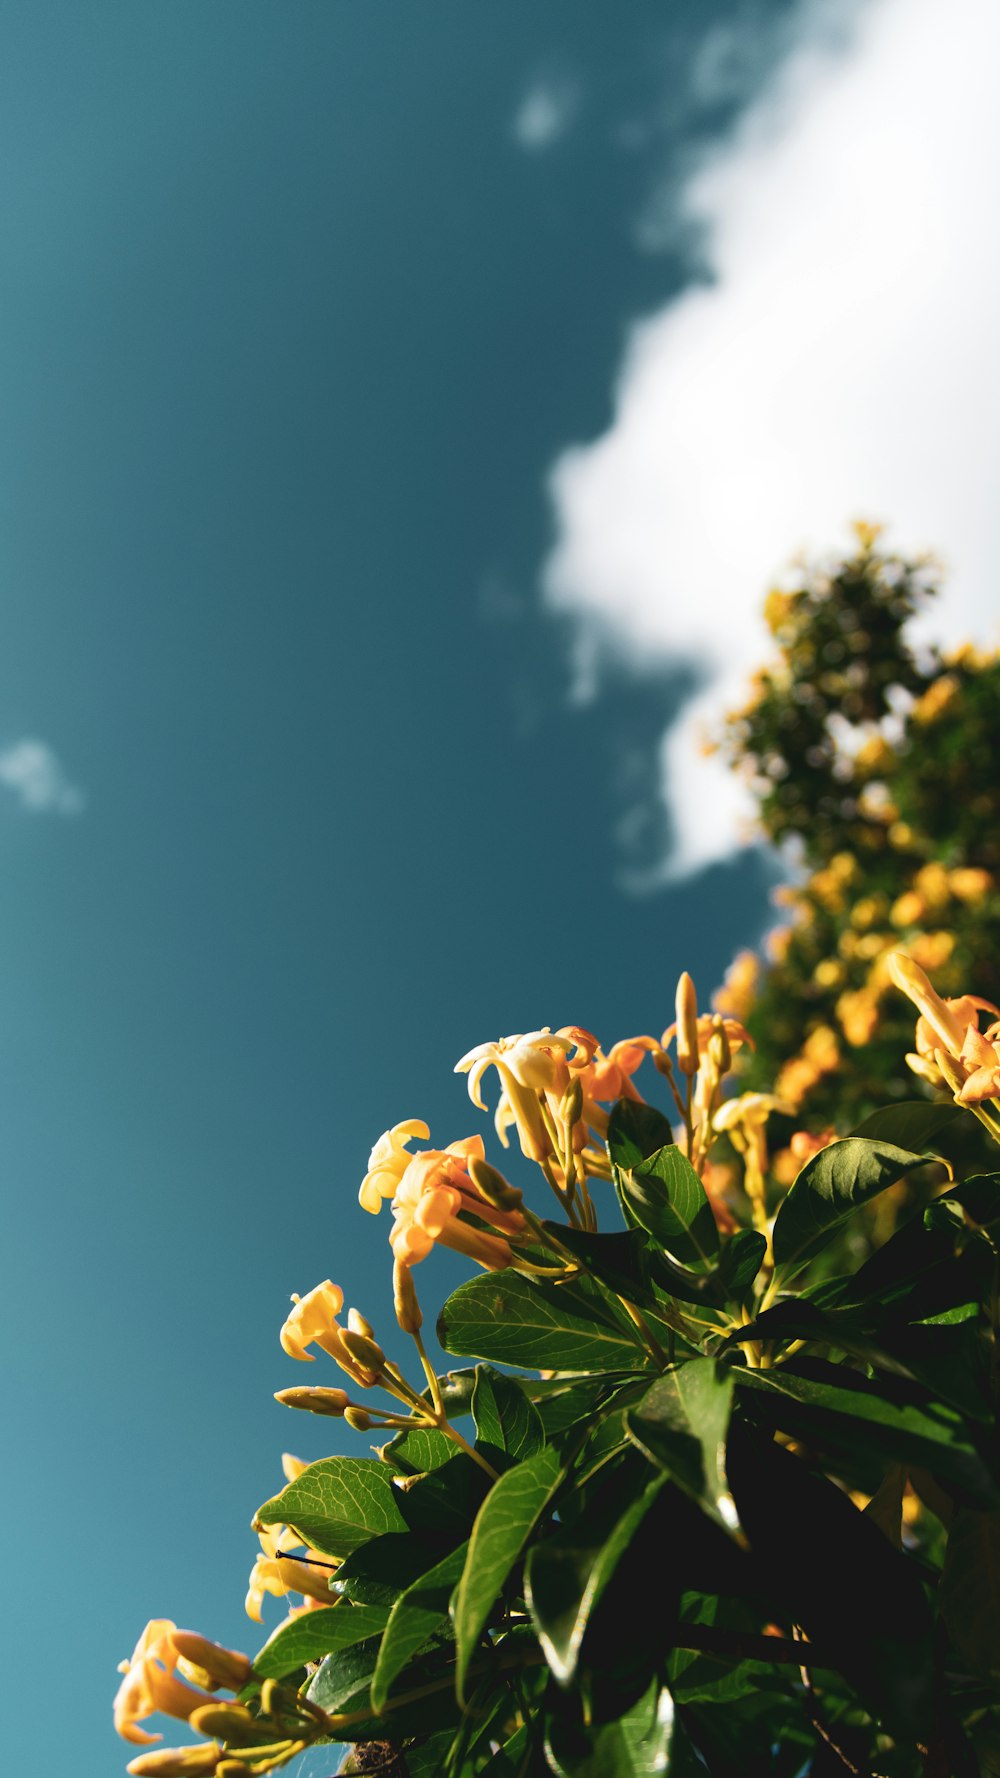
x=709 y=1501
x=872 y=760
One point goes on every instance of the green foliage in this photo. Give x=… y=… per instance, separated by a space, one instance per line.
x=713 y=1499
x=874 y=761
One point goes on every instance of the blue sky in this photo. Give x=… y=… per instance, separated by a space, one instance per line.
x=317 y=765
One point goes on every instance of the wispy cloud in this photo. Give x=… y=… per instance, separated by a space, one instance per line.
x=545 y=113
x=844 y=361
x=31 y=771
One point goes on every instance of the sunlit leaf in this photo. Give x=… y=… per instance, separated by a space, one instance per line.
x=504 y=1523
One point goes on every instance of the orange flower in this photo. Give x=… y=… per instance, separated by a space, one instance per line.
x=949 y=1043
x=151 y=1684
x=433 y=1193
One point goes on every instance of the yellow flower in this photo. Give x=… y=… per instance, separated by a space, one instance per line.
x=857 y=1011
x=313 y=1322
x=908 y=908
x=178 y=1762
x=948 y=1031
x=388 y=1162
x=151 y=1684
x=970 y=885
x=749 y=1111
x=528 y=1064
x=433 y=1193
x=736 y=996
x=932 y=949
x=935 y=699
x=279 y=1572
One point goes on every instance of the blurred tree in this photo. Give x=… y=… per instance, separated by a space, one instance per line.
x=874 y=765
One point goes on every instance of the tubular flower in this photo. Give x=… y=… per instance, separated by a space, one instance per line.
x=178 y=1762
x=948 y=1031
x=744 y=1120
x=528 y=1064
x=313 y=1322
x=388 y=1162
x=150 y=1683
x=432 y=1194
x=278 y=1571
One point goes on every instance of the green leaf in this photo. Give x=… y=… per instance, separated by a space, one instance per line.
x=638 y=1745
x=316 y=1633
x=618 y=1260
x=969 y=1592
x=829 y=1189
x=681 y=1423
x=739 y=1262
x=417 y=1613
x=913 y=1124
x=377 y=1573
x=667 y=1199
x=635 y=1131
x=344 y=1683
x=502 y=1528
x=444 y=1503
x=337 y=1504
x=511 y=1319
x=841 y=1411
x=416 y=1452
x=506 y=1421
x=566 y=1575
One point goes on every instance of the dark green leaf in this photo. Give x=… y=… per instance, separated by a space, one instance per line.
x=511 y=1319
x=969 y=1593
x=843 y=1412
x=566 y=1575
x=834 y=1572
x=343 y=1683
x=337 y=1504
x=618 y=1260
x=681 y=1423
x=635 y=1131
x=506 y=1421
x=417 y=1613
x=829 y=1189
x=666 y=1197
x=377 y=1573
x=739 y=1262
x=316 y=1633
x=914 y=1124
x=444 y=1503
x=638 y=1745
x=502 y=1528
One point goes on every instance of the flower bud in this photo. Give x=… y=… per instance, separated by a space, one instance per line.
x=220 y=1666
x=177 y=1762
x=492 y=1185
x=404 y=1297
x=232 y=1722
x=315 y=1401
x=358 y=1418
x=366 y=1352
x=719 y=1048
x=359 y=1324
x=687 y=1026
x=572 y=1101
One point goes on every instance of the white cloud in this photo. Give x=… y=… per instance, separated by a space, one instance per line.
x=845 y=362
x=32 y=772
x=544 y=114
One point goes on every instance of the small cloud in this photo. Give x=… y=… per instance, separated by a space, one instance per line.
x=32 y=772
x=544 y=114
